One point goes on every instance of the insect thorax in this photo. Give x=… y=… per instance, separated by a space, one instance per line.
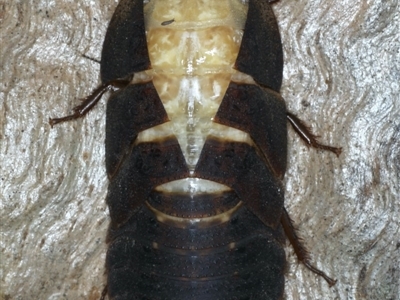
x=192 y=59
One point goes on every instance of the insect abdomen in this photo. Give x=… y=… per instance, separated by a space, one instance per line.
x=237 y=259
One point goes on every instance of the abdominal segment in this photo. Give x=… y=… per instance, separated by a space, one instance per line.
x=180 y=257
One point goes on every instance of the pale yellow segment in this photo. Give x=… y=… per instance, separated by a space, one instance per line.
x=204 y=37
x=194 y=186
x=188 y=14
x=194 y=222
x=154 y=133
x=229 y=134
x=177 y=91
x=193 y=52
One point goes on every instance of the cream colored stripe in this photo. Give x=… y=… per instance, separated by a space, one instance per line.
x=194 y=222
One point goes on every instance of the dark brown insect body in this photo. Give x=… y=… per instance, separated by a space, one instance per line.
x=196 y=151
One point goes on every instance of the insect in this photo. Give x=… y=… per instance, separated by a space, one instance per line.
x=196 y=146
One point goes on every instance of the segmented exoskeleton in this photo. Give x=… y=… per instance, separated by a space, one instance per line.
x=196 y=148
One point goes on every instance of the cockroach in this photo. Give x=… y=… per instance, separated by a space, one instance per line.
x=196 y=150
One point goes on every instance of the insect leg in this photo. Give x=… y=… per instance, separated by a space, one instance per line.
x=104 y=293
x=90 y=101
x=299 y=249
x=306 y=135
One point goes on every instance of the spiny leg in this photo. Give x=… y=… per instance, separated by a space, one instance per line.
x=104 y=293
x=90 y=101
x=299 y=249
x=306 y=135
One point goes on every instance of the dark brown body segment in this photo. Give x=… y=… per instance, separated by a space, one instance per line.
x=260 y=112
x=240 y=167
x=125 y=45
x=146 y=166
x=196 y=263
x=142 y=110
x=198 y=206
x=260 y=54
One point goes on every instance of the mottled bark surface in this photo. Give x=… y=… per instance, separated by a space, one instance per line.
x=341 y=75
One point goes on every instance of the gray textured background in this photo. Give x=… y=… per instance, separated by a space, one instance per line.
x=341 y=75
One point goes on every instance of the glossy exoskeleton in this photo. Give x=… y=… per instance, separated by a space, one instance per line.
x=196 y=146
